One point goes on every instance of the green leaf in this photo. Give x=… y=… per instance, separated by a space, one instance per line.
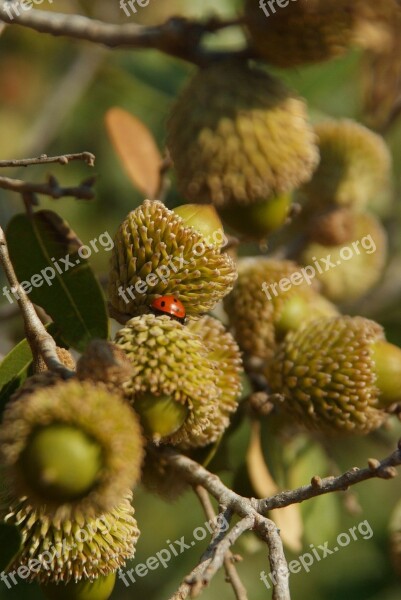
x=10 y=543
x=14 y=370
x=72 y=297
x=15 y=367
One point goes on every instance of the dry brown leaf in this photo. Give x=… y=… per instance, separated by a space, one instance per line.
x=287 y=519
x=137 y=150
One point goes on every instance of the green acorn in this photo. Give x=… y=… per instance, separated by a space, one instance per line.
x=175 y=385
x=73 y=549
x=156 y=254
x=99 y=589
x=238 y=136
x=296 y=33
x=354 y=168
x=350 y=270
x=335 y=375
x=256 y=221
x=204 y=219
x=261 y=312
x=72 y=447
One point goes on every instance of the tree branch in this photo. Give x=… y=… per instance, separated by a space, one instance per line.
x=384 y=469
x=52 y=188
x=253 y=511
x=64 y=159
x=251 y=519
x=229 y=559
x=178 y=36
x=40 y=341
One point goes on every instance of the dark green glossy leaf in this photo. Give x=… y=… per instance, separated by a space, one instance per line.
x=67 y=290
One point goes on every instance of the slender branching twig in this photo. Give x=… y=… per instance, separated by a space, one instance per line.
x=52 y=188
x=40 y=341
x=253 y=511
x=178 y=36
x=64 y=159
x=229 y=558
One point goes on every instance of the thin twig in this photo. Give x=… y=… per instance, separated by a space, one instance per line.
x=197 y=475
x=246 y=508
x=64 y=159
x=41 y=342
x=178 y=36
x=52 y=188
x=384 y=469
x=229 y=558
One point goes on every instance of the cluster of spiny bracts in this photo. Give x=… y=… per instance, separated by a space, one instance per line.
x=244 y=152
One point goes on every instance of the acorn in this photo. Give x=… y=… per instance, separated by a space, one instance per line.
x=73 y=549
x=204 y=219
x=175 y=385
x=104 y=362
x=156 y=254
x=258 y=220
x=223 y=350
x=261 y=312
x=99 y=589
x=299 y=32
x=73 y=447
x=348 y=271
x=334 y=375
x=246 y=137
x=354 y=168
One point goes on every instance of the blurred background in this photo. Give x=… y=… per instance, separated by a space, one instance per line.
x=54 y=93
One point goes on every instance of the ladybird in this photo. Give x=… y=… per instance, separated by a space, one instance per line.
x=171 y=306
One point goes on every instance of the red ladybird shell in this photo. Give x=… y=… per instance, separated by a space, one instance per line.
x=169 y=305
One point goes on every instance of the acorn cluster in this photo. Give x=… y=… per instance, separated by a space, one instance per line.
x=72 y=450
x=245 y=154
x=249 y=149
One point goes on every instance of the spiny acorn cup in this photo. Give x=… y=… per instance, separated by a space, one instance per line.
x=73 y=549
x=304 y=31
x=337 y=375
x=354 y=168
x=175 y=385
x=223 y=350
x=348 y=271
x=238 y=136
x=270 y=298
x=72 y=447
x=157 y=254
